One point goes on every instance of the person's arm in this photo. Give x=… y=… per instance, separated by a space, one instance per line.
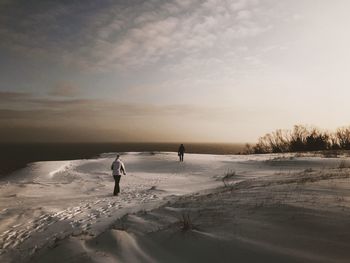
x=122 y=168
x=112 y=166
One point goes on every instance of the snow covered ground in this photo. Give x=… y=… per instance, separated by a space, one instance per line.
x=48 y=202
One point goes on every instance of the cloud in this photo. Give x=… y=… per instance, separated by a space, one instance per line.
x=108 y=35
x=65 y=89
x=76 y=108
x=39 y=133
x=6 y=96
x=244 y=15
x=105 y=119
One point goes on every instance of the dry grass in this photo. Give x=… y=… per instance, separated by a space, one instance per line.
x=186 y=223
x=330 y=154
x=308 y=170
x=344 y=164
x=229 y=175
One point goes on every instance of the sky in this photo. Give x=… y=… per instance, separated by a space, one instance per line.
x=171 y=70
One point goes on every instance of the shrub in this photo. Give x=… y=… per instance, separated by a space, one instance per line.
x=343 y=136
x=302 y=138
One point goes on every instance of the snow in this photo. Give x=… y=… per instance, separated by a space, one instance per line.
x=73 y=196
x=49 y=201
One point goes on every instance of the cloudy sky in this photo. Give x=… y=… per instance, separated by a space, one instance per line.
x=171 y=70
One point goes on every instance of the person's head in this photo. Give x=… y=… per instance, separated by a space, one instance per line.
x=117 y=156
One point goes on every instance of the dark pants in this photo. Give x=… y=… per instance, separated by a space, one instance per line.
x=181 y=156
x=116 y=185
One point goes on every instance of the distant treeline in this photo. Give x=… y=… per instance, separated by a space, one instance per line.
x=300 y=139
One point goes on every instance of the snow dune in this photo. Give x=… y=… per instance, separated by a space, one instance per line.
x=53 y=199
x=49 y=201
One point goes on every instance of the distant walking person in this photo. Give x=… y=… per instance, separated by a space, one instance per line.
x=118 y=168
x=181 y=152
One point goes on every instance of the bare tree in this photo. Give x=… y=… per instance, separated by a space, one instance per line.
x=343 y=135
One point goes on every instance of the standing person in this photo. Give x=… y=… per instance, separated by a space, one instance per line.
x=181 y=152
x=118 y=168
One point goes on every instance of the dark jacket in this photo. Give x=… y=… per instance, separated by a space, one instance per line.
x=181 y=149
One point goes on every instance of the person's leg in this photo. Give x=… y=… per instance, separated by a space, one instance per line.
x=118 y=180
x=116 y=185
x=182 y=157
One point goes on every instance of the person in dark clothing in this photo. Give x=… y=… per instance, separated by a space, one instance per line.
x=118 y=168
x=181 y=152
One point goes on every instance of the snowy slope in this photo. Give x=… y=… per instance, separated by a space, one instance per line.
x=48 y=201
